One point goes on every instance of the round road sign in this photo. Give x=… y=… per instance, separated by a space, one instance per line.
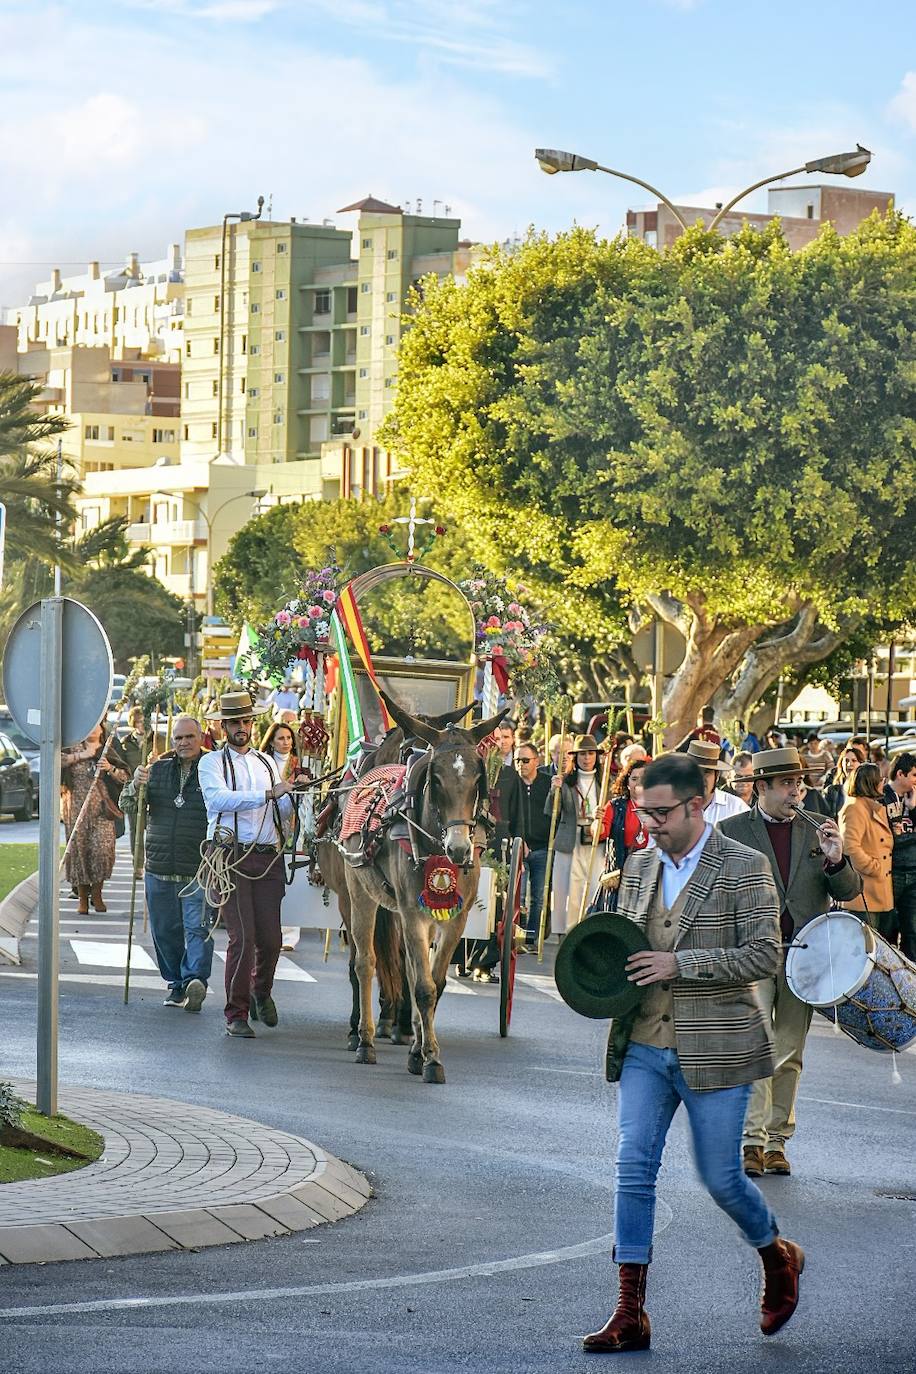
x=86 y=672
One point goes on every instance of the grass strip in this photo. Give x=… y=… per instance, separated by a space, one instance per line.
x=61 y=1134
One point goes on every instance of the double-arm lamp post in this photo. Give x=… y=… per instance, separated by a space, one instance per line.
x=553 y=160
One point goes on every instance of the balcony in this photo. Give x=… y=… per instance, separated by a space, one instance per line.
x=167 y=532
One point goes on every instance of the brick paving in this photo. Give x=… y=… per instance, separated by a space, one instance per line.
x=173 y=1176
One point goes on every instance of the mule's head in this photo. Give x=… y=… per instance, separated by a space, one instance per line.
x=456 y=784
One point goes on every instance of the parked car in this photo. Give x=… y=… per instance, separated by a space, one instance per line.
x=26 y=747
x=16 y=792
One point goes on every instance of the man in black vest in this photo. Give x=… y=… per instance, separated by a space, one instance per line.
x=175 y=829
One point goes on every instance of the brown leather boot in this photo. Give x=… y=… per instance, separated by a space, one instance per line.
x=83 y=892
x=775 y=1162
x=753 y=1161
x=783 y=1262
x=97 y=903
x=628 y=1329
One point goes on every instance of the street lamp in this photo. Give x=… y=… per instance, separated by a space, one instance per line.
x=208 y=520
x=553 y=160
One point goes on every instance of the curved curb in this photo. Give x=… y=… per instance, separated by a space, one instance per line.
x=16 y=911
x=173 y=1177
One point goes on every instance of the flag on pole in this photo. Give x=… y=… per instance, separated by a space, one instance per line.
x=355 y=729
x=246 y=651
x=350 y=617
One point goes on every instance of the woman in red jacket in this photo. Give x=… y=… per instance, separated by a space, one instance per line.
x=622 y=830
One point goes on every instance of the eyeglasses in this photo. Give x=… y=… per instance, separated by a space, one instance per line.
x=526 y=758
x=659 y=813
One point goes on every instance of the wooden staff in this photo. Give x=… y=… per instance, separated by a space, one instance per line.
x=551 y=842
x=139 y=825
x=596 y=831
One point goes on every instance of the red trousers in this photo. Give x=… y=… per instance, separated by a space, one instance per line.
x=251 y=916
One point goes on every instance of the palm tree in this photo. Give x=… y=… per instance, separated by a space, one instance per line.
x=29 y=488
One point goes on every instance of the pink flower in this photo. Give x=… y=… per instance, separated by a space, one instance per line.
x=283 y=617
x=303 y=622
x=514 y=608
x=315 y=612
x=497 y=651
x=493 y=622
x=329 y=597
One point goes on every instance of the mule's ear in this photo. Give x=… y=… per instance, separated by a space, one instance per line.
x=413 y=727
x=486 y=727
x=448 y=717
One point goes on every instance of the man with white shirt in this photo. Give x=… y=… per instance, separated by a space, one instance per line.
x=247 y=803
x=285 y=698
x=718 y=804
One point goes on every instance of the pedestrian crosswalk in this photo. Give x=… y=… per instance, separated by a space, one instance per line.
x=93 y=948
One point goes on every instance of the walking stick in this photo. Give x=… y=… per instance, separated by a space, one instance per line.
x=139 y=826
x=596 y=831
x=551 y=844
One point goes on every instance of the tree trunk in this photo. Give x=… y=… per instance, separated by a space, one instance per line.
x=802 y=642
x=714 y=650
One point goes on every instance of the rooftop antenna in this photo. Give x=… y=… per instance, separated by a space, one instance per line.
x=419 y=206
x=448 y=212
x=436 y=204
x=270 y=205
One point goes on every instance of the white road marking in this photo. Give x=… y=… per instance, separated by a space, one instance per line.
x=108 y=980
x=861 y=1106
x=453 y=985
x=104 y=954
x=543 y=982
x=581 y=1073
x=601 y=1245
x=287 y=971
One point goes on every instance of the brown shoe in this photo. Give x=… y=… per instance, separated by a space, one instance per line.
x=783 y=1262
x=83 y=908
x=775 y=1162
x=97 y=903
x=628 y=1329
x=754 y=1161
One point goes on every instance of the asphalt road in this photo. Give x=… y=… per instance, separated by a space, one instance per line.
x=487 y=1247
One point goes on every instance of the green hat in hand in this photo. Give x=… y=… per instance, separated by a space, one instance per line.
x=590 y=970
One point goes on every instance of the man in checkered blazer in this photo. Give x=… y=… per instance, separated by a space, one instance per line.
x=709 y=909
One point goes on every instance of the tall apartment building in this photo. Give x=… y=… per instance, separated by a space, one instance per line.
x=134 y=310
x=288 y=366
x=802 y=211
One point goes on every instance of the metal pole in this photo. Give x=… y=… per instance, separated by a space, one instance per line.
x=49 y=855
x=658 y=679
x=551 y=843
x=139 y=827
x=2 y=539
x=891 y=655
x=869 y=698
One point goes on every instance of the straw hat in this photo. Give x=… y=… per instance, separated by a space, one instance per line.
x=778 y=763
x=590 y=969
x=706 y=755
x=235 y=705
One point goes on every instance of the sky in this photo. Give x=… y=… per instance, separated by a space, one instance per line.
x=122 y=124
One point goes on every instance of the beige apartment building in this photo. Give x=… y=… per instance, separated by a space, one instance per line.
x=802 y=211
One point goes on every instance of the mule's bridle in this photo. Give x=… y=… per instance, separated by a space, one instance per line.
x=426 y=791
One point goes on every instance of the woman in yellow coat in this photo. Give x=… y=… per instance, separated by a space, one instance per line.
x=868 y=842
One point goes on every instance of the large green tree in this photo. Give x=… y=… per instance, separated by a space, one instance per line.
x=722 y=434
x=29 y=488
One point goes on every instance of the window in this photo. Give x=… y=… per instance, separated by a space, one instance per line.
x=279 y=336
x=392 y=296
x=187 y=433
x=92 y=431
x=252 y=431
x=216 y=345
x=187 y=349
x=244 y=298
x=187 y=306
x=364 y=372
x=278 y=417
x=351 y=300
x=392 y=254
x=216 y=304
x=365 y=287
x=280 y=294
x=367 y=243
x=216 y=262
x=215 y=386
x=242 y=385
x=389 y=381
x=363 y=414
x=255 y=267
x=244 y=343
x=322 y=302
x=281 y=247
x=163 y=436
x=365 y=330
x=254 y=392
x=389 y=339
x=187 y=391
x=255 y=350
x=213 y=430
x=279 y=378
x=255 y=308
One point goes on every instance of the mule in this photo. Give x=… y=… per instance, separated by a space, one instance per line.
x=450 y=804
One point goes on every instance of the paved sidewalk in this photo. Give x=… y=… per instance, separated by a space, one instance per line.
x=172 y=1177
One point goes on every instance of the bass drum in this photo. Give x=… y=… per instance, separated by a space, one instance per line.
x=851 y=975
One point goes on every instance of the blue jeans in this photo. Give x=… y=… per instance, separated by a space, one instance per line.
x=183 y=948
x=651 y=1089
x=535 y=873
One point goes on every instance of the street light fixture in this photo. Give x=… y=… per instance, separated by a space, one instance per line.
x=208 y=520
x=553 y=160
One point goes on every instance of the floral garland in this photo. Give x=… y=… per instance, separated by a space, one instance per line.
x=508 y=632
x=297 y=630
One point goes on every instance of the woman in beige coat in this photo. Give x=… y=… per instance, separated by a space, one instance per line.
x=869 y=842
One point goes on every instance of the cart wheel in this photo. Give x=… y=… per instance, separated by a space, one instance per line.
x=512 y=902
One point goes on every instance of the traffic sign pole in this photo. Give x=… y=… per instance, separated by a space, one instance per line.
x=49 y=854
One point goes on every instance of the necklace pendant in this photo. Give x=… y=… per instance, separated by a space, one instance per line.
x=179 y=800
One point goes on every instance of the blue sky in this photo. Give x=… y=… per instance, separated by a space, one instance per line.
x=123 y=124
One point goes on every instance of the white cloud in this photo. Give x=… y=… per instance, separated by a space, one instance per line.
x=903 y=105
